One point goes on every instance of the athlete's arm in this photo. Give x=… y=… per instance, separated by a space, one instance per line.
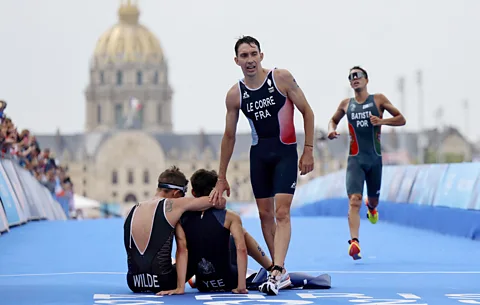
x=175 y=207
x=181 y=257
x=236 y=229
x=336 y=118
x=397 y=118
x=232 y=102
x=289 y=85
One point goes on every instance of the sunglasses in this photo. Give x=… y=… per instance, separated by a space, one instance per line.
x=356 y=75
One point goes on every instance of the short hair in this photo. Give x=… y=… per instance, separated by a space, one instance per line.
x=203 y=182
x=248 y=40
x=361 y=69
x=173 y=176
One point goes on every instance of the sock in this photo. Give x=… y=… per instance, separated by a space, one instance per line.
x=352 y=240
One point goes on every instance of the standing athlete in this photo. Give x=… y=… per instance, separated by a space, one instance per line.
x=268 y=98
x=365 y=117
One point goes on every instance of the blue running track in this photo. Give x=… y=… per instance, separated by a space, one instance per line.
x=83 y=262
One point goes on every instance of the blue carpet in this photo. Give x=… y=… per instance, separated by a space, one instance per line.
x=84 y=262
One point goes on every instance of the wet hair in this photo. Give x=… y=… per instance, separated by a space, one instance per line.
x=172 y=176
x=361 y=69
x=203 y=182
x=248 y=40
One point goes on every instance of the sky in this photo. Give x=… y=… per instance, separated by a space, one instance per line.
x=46 y=48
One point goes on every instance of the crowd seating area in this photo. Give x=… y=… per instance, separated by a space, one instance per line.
x=32 y=185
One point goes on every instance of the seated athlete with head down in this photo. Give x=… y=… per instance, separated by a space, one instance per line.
x=148 y=235
x=217 y=244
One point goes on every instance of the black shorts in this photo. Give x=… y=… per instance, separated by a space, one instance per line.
x=273 y=168
x=145 y=282
x=360 y=171
x=221 y=281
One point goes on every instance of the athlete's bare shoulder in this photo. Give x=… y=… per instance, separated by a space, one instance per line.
x=282 y=76
x=233 y=97
x=344 y=104
x=379 y=97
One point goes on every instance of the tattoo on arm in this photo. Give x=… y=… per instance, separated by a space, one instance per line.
x=261 y=251
x=168 y=205
x=296 y=83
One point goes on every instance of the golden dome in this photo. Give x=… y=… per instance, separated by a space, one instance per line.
x=128 y=41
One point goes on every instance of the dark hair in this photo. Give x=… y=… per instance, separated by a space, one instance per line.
x=174 y=176
x=248 y=40
x=203 y=182
x=361 y=69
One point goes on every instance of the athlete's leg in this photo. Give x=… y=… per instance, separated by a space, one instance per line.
x=285 y=181
x=262 y=185
x=283 y=232
x=256 y=252
x=374 y=182
x=355 y=178
x=266 y=212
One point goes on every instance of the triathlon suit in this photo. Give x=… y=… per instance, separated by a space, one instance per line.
x=273 y=154
x=210 y=254
x=151 y=271
x=365 y=155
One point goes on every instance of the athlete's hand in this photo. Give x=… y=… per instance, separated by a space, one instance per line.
x=306 y=161
x=170 y=292
x=375 y=120
x=217 y=193
x=240 y=290
x=333 y=134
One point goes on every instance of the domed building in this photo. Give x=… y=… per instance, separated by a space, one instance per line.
x=129 y=136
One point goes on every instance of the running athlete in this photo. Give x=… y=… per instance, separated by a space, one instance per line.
x=218 y=244
x=148 y=235
x=267 y=98
x=365 y=117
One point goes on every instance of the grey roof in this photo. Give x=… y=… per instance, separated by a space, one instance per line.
x=181 y=146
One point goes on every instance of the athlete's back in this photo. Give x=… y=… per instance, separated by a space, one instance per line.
x=208 y=243
x=150 y=266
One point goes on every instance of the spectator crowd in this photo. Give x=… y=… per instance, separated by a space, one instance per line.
x=23 y=148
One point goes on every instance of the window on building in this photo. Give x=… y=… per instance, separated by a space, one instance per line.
x=99 y=114
x=155 y=78
x=159 y=113
x=146 y=177
x=139 y=78
x=114 y=177
x=130 y=176
x=119 y=115
x=102 y=78
x=119 y=78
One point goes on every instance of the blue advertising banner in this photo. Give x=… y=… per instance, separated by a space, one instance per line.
x=17 y=187
x=387 y=176
x=426 y=183
x=395 y=182
x=457 y=186
x=3 y=220
x=9 y=203
x=36 y=212
x=406 y=184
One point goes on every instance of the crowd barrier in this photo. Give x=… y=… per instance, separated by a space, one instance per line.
x=23 y=198
x=440 y=197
